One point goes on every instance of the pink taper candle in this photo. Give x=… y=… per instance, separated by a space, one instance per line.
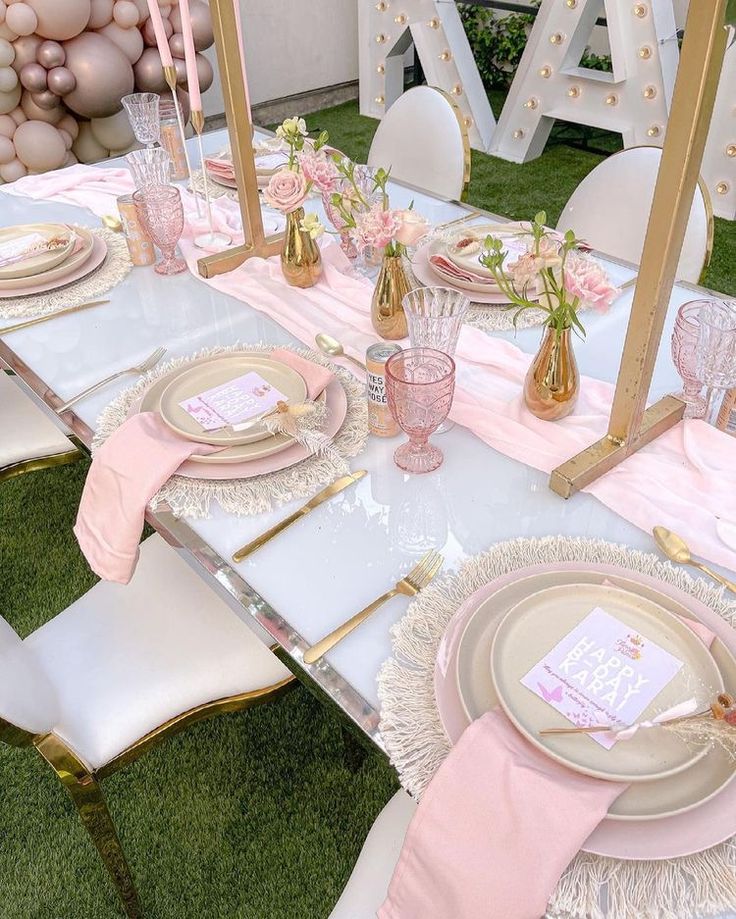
x=190 y=57
x=162 y=42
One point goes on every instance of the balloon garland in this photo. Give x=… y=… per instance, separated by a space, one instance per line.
x=64 y=67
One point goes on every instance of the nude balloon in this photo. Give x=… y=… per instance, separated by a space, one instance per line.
x=35 y=112
x=10 y=100
x=8 y=79
x=204 y=72
x=39 y=146
x=3 y=9
x=176 y=44
x=149 y=75
x=33 y=77
x=66 y=137
x=50 y=54
x=45 y=100
x=18 y=115
x=7 y=150
x=12 y=171
x=114 y=132
x=21 y=19
x=7 y=53
x=125 y=13
x=70 y=159
x=100 y=13
x=86 y=148
x=26 y=49
x=130 y=41
x=104 y=75
x=6 y=33
x=201 y=23
x=149 y=36
x=69 y=124
x=7 y=126
x=61 y=20
x=61 y=81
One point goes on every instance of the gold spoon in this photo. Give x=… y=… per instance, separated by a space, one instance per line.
x=112 y=223
x=332 y=348
x=676 y=549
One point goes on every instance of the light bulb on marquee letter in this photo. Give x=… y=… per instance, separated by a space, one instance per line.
x=719 y=163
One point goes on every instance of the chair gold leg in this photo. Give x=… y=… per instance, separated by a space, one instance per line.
x=85 y=791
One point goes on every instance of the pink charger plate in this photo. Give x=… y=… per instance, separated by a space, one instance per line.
x=680 y=835
x=97 y=256
x=337 y=410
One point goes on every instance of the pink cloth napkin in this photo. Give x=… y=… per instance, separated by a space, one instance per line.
x=444 y=264
x=495 y=830
x=128 y=470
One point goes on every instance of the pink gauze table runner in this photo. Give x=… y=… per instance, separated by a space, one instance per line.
x=684 y=480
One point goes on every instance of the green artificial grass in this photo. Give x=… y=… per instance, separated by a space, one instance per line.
x=258 y=815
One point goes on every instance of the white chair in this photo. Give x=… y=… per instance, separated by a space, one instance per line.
x=424 y=140
x=121 y=669
x=29 y=438
x=610 y=210
x=367 y=886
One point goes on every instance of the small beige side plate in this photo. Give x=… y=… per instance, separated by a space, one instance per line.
x=34 y=265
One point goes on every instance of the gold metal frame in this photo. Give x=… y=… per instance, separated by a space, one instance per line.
x=74 y=453
x=83 y=783
x=465 y=134
x=240 y=129
x=631 y=424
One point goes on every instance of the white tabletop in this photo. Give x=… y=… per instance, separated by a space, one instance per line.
x=341 y=556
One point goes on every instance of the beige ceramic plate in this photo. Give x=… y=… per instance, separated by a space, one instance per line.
x=427 y=275
x=642 y=800
x=36 y=264
x=470 y=262
x=47 y=280
x=194 y=380
x=536 y=624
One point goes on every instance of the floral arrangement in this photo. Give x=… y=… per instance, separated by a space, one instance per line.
x=555 y=267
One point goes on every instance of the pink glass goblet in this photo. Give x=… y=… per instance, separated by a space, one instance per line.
x=420 y=384
x=684 y=345
x=162 y=213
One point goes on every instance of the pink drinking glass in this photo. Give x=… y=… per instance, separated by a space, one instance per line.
x=684 y=347
x=420 y=384
x=162 y=213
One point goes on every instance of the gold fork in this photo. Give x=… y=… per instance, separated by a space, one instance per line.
x=410 y=585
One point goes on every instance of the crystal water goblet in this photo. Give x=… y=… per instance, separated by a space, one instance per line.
x=420 y=384
x=161 y=210
x=150 y=166
x=142 y=110
x=435 y=316
x=715 y=352
x=684 y=345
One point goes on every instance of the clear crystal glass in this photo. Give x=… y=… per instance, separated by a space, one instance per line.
x=684 y=344
x=150 y=166
x=142 y=110
x=715 y=353
x=161 y=210
x=420 y=384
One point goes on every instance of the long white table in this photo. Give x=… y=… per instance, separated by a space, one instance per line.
x=336 y=560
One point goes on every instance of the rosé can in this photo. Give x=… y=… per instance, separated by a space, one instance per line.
x=172 y=143
x=380 y=420
x=139 y=242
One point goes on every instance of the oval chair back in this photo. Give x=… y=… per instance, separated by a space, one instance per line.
x=610 y=210
x=424 y=140
x=28 y=701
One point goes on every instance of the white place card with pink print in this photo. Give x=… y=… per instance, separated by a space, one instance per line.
x=233 y=402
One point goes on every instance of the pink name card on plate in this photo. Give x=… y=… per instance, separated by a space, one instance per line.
x=602 y=672
x=233 y=402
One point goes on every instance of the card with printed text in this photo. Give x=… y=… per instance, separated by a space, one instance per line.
x=233 y=402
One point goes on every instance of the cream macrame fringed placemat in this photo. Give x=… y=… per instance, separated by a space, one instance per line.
x=684 y=888
x=111 y=272
x=193 y=497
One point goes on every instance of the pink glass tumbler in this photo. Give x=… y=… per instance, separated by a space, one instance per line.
x=160 y=208
x=684 y=345
x=420 y=384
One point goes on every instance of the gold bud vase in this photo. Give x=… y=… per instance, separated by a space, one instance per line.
x=387 y=312
x=301 y=261
x=552 y=383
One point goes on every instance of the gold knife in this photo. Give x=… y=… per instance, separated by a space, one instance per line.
x=69 y=309
x=334 y=489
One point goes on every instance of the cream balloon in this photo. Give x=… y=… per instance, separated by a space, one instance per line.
x=100 y=13
x=6 y=33
x=113 y=132
x=104 y=75
x=61 y=20
x=50 y=54
x=10 y=100
x=8 y=79
x=61 y=81
x=26 y=49
x=39 y=146
x=69 y=124
x=86 y=148
x=130 y=41
x=7 y=150
x=125 y=13
x=7 y=53
x=149 y=75
x=7 y=126
x=66 y=137
x=35 y=112
x=70 y=159
x=12 y=171
x=18 y=115
x=21 y=19
x=3 y=10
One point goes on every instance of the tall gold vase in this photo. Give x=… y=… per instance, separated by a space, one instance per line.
x=301 y=261
x=387 y=312
x=552 y=382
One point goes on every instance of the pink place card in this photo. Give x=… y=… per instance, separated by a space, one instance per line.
x=602 y=672
x=233 y=402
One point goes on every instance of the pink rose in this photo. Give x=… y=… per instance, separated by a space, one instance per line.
x=584 y=278
x=320 y=170
x=376 y=227
x=412 y=227
x=286 y=190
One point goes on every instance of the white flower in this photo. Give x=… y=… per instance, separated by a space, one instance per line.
x=311 y=224
x=292 y=128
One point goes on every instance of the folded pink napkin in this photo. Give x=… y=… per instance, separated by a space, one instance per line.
x=448 y=267
x=128 y=470
x=495 y=830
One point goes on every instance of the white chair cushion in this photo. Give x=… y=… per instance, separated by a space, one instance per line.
x=127 y=658
x=421 y=139
x=27 y=432
x=367 y=887
x=27 y=698
x=610 y=210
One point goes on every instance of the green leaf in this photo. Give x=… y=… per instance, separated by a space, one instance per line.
x=541 y=218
